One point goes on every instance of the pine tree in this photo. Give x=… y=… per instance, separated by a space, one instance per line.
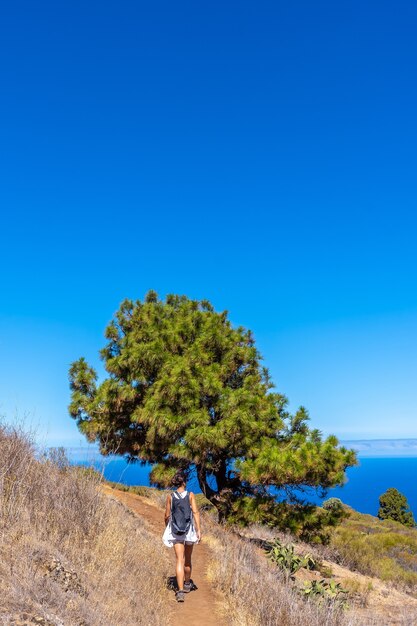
x=393 y=505
x=186 y=389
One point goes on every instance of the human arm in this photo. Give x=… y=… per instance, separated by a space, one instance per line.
x=168 y=509
x=196 y=516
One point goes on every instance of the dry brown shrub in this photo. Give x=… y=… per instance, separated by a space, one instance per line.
x=69 y=554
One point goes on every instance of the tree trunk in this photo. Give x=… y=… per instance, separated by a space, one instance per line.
x=204 y=486
x=220 y=498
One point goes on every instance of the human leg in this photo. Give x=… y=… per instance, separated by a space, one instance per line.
x=188 y=550
x=179 y=569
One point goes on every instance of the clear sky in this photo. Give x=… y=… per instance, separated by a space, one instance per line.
x=259 y=154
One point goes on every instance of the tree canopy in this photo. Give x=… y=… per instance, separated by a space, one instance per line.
x=186 y=389
x=393 y=505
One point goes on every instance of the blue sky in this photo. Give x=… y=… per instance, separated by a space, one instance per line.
x=261 y=155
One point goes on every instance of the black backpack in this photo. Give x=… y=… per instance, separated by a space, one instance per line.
x=180 y=513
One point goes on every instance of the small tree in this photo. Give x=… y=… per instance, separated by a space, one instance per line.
x=186 y=389
x=393 y=505
x=333 y=504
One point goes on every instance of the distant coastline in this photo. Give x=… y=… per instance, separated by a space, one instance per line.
x=384 y=448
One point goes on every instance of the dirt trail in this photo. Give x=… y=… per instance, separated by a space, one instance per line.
x=201 y=607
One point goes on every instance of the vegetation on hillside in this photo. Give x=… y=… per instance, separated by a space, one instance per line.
x=186 y=389
x=67 y=554
x=258 y=593
x=382 y=548
x=306 y=584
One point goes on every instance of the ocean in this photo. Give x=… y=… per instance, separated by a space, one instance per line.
x=373 y=476
x=365 y=484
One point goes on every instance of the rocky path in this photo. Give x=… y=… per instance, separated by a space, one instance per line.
x=201 y=607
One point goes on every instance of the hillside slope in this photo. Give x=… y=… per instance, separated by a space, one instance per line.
x=252 y=592
x=68 y=555
x=75 y=552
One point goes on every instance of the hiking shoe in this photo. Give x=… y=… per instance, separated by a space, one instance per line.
x=179 y=596
x=188 y=586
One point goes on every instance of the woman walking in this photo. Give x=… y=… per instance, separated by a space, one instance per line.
x=182 y=530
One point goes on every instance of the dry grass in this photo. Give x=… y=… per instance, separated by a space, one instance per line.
x=257 y=593
x=68 y=554
x=260 y=592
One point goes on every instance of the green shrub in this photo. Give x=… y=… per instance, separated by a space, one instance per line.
x=333 y=504
x=307 y=522
x=203 y=503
